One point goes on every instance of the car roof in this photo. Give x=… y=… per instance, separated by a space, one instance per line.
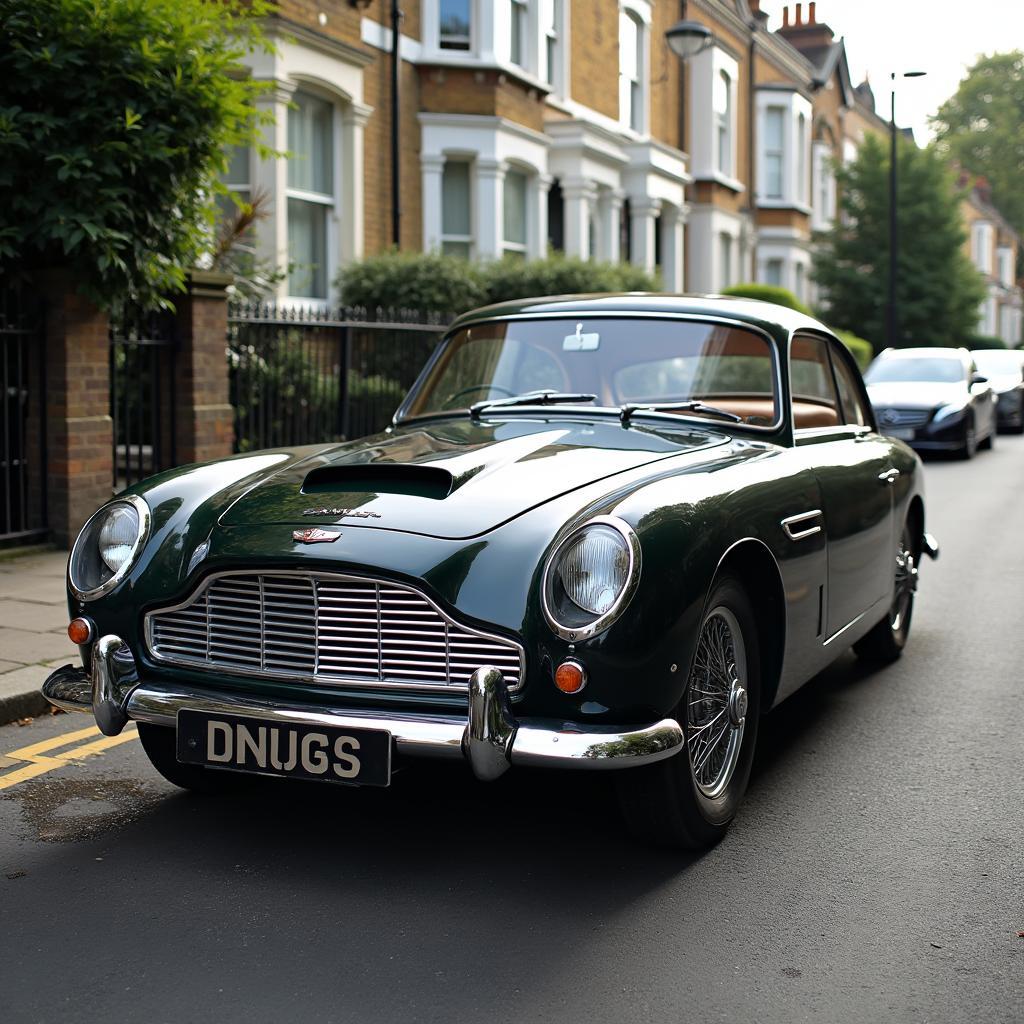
x=926 y=352
x=766 y=315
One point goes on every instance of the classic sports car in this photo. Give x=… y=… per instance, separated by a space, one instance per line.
x=602 y=532
x=933 y=398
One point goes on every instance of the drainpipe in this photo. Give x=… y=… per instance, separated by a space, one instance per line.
x=684 y=92
x=751 y=142
x=396 y=159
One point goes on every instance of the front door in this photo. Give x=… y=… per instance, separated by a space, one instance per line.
x=852 y=464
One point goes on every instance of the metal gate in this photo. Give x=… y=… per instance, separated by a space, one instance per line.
x=142 y=395
x=23 y=511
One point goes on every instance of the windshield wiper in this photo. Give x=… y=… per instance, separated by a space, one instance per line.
x=544 y=396
x=626 y=412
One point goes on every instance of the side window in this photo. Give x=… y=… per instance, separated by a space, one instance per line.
x=854 y=409
x=815 y=403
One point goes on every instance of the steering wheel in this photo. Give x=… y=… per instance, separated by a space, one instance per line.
x=476 y=387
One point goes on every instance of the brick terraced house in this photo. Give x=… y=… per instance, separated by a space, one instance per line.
x=530 y=125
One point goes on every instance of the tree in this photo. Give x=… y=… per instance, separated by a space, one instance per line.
x=115 y=121
x=981 y=127
x=938 y=290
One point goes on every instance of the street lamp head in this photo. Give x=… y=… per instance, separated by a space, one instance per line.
x=687 y=38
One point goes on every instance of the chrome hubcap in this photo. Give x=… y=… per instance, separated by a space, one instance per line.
x=716 y=702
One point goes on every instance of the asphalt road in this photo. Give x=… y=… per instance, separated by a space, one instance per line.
x=876 y=872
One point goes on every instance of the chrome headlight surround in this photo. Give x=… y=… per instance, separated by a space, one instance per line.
x=578 y=626
x=87 y=572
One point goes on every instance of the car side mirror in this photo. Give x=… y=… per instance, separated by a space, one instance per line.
x=978 y=378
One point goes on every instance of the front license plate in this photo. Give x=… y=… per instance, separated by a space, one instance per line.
x=901 y=434
x=323 y=753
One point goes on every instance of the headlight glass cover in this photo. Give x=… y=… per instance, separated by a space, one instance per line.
x=590 y=577
x=594 y=568
x=108 y=546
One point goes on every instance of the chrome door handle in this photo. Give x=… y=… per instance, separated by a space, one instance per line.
x=889 y=476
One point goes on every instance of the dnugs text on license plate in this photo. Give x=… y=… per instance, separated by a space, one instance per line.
x=324 y=753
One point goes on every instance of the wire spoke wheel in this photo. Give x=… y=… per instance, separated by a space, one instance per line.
x=716 y=702
x=906 y=583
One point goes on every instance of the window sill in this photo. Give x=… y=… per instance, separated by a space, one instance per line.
x=733 y=184
x=784 y=204
x=455 y=59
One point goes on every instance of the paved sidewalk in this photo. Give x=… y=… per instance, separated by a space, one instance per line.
x=33 y=624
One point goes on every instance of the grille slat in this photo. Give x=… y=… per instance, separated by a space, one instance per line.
x=326 y=628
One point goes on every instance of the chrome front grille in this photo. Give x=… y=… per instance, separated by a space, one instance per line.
x=903 y=417
x=325 y=628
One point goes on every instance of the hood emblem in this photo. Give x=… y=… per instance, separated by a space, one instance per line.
x=314 y=535
x=351 y=513
x=890 y=416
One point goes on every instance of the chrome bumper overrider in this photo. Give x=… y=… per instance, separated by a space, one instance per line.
x=490 y=738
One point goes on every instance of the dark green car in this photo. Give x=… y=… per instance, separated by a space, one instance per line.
x=602 y=532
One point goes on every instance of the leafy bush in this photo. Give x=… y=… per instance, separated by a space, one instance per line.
x=512 y=278
x=115 y=121
x=973 y=341
x=862 y=349
x=428 y=282
x=768 y=293
x=434 y=283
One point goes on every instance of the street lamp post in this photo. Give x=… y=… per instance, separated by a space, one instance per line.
x=892 y=315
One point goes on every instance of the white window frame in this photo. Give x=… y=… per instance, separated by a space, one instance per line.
x=327 y=200
x=780 y=153
x=724 y=119
x=1004 y=265
x=982 y=246
x=795 y=179
x=801 y=148
x=553 y=28
x=823 y=206
x=433 y=12
x=509 y=247
x=704 y=71
x=777 y=262
x=519 y=18
x=470 y=239
x=726 y=259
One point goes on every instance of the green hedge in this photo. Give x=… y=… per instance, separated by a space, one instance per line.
x=432 y=283
x=862 y=349
x=768 y=293
x=973 y=341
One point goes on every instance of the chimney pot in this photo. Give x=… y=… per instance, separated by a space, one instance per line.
x=811 y=17
x=799 y=14
x=785 y=16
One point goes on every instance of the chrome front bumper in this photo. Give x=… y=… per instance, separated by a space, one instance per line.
x=490 y=738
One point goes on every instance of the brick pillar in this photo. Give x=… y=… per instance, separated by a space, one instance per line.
x=204 y=417
x=79 y=443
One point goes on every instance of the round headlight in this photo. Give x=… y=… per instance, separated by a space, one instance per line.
x=107 y=547
x=594 y=568
x=590 y=577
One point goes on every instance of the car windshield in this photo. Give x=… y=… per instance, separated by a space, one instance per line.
x=619 y=360
x=999 y=364
x=935 y=369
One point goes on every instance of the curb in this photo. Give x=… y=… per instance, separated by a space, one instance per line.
x=30 y=704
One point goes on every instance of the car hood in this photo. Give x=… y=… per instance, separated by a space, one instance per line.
x=916 y=394
x=456 y=478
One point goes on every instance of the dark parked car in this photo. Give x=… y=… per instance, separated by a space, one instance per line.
x=932 y=398
x=602 y=533
x=1005 y=371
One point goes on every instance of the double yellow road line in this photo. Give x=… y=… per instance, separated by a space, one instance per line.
x=38 y=759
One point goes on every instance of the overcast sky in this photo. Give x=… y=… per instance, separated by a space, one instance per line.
x=941 y=37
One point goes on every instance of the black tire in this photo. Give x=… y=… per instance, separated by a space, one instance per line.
x=970 y=446
x=663 y=803
x=885 y=643
x=159 y=743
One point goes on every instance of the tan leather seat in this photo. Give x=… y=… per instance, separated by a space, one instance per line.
x=761 y=412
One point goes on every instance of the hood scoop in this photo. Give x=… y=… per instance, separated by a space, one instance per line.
x=380 y=478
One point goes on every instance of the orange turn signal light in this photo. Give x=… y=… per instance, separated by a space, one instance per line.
x=80 y=631
x=570 y=676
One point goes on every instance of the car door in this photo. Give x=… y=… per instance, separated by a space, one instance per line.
x=982 y=400
x=833 y=424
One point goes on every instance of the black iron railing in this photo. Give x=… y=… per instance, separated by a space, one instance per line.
x=23 y=495
x=142 y=395
x=302 y=376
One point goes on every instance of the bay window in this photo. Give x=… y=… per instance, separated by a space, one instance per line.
x=454 y=24
x=310 y=195
x=456 y=218
x=515 y=213
x=774 y=153
x=722 y=108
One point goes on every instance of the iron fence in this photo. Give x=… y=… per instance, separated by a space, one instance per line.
x=142 y=398
x=23 y=494
x=302 y=376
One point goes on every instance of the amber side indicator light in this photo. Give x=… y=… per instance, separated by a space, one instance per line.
x=570 y=676
x=80 y=631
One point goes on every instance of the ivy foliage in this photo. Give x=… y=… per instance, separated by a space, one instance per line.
x=432 y=283
x=938 y=290
x=115 y=120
